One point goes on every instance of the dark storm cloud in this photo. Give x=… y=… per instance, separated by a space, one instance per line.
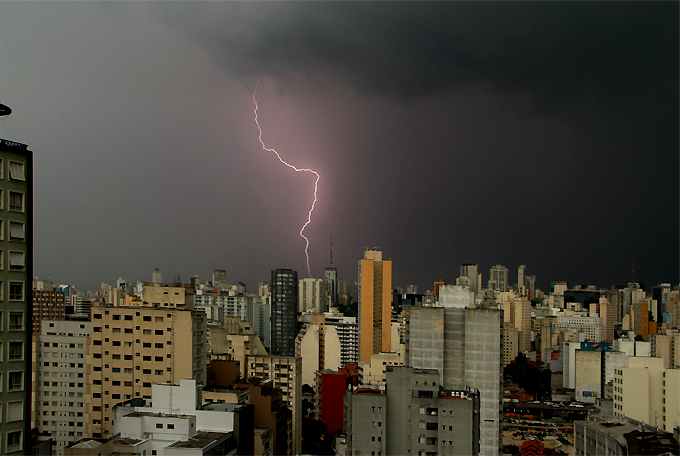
x=537 y=133
x=555 y=49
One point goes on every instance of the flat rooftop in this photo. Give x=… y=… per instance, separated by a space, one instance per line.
x=200 y=440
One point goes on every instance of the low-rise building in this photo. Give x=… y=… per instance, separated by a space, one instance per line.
x=621 y=436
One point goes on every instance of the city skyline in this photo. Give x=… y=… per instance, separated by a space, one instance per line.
x=445 y=133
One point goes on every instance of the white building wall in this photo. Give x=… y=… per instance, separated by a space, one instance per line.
x=455 y=296
x=60 y=383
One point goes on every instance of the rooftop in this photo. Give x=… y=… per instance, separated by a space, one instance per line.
x=200 y=440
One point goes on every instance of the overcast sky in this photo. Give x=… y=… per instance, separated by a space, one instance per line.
x=538 y=133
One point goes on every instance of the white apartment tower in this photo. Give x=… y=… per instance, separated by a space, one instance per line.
x=59 y=381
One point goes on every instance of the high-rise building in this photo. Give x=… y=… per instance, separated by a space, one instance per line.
x=413 y=415
x=470 y=270
x=521 y=277
x=464 y=346
x=286 y=373
x=318 y=345
x=344 y=292
x=59 y=381
x=332 y=281
x=284 y=292
x=499 y=274
x=313 y=295
x=375 y=309
x=16 y=272
x=219 y=277
x=47 y=305
x=132 y=347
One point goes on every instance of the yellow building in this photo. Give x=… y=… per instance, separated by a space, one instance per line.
x=375 y=305
x=517 y=311
x=133 y=347
x=510 y=342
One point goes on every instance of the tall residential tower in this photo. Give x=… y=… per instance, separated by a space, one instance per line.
x=16 y=271
x=375 y=310
x=284 y=295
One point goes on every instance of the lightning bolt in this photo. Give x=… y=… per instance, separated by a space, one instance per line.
x=306 y=170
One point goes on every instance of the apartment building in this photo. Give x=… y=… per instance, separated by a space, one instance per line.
x=59 y=381
x=16 y=272
x=646 y=391
x=464 y=346
x=48 y=304
x=318 y=345
x=415 y=415
x=133 y=347
x=286 y=374
x=590 y=328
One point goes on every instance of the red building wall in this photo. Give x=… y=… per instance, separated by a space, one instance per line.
x=333 y=387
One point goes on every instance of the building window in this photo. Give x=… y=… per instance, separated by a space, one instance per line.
x=16 y=350
x=16 y=201
x=15 y=381
x=16 y=291
x=16 y=171
x=16 y=321
x=17 y=231
x=14 y=441
x=15 y=411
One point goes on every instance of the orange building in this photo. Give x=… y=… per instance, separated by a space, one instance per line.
x=375 y=309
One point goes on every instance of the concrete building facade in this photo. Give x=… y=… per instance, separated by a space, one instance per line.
x=464 y=345
x=414 y=415
x=16 y=273
x=60 y=382
x=313 y=295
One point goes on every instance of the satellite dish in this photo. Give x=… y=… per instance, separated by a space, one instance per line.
x=5 y=110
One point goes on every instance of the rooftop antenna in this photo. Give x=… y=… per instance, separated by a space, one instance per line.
x=331 y=250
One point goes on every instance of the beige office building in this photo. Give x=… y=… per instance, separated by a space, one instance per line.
x=133 y=347
x=517 y=310
x=646 y=391
x=318 y=345
x=375 y=305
